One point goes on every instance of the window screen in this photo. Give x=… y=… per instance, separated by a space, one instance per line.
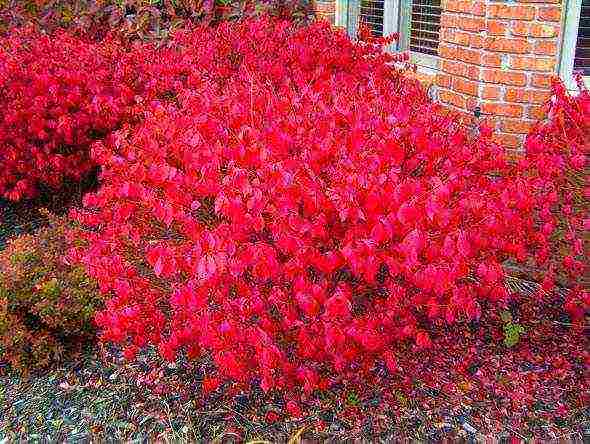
x=419 y=27
x=372 y=14
x=425 y=26
x=582 y=54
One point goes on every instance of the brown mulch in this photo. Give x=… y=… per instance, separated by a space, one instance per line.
x=101 y=397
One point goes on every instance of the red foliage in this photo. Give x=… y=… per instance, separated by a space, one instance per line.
x=299 y=212
x=140 y=19
x=58 y=94
x=555 y=172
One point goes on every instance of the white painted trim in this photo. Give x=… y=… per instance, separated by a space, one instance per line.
x=570 y=23
x=425 y=60
x=425 y=69
x=420 y=59
x=391 y=23
x=390 y=16
x=396 y=18
x=405 y=10
x=352 y=16
x=341 y=18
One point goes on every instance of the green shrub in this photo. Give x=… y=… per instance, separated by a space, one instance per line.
x=46 y=305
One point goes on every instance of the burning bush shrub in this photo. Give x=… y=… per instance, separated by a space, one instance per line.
x=64 y=90
x=140 y=19
x=58 y=94
x=301 y=214
x=555 y=170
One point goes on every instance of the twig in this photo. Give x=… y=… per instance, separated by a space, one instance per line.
x=515 y=432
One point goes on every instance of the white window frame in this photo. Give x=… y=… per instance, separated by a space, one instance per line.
x=397 y=14
x=570 y=23
x=426 y=62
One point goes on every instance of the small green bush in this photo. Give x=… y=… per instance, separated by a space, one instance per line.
x=46 y=305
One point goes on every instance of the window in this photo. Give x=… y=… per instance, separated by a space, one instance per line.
x=417 y=21
x=575 y=54
x=372 y=13
x=582 y=54
x=425 y=26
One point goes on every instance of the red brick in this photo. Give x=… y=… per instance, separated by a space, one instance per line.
x=540 y=96
x=472 y=103
x=503 y=109
x=479 y=8
x=456 y=6
x=532 y=63
x=447 y=51
x=502 y=44
x=472 y=72
x=513 y=12
x=545 y=47
x=520 y=29
x=534 y=29
x=469 y=55
x=515 y=154
x=448 y=20
x=465 y=116
x=325 y=10
x=476 y=41
x=508 y=140
x=504 y=77
x=475 y=24
x=462 y=38
x=448 y=35
x=425 y=78
x=544 y=30
x=443 y=80
x=491 y=92
x=518 y=126
x=452 y=98
x=491 y=60
x=541 y=80
x=460 y=69
x=450 y=5
x=325 y=6
x=496 y=27
x=469 y=119
x=536 y=112
x=550 y=14
x=527 y=95
x=465 y=86
x=464 y=6
x=490 y=121
x=452 y=67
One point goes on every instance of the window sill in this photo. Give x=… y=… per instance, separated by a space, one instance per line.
x=572 y=86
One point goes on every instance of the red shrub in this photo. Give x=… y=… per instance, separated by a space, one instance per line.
x=555 y=171
x=139 y=19
x=301 y=210
x=58 y=94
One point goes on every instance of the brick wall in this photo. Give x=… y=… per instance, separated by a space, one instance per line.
x=495 y=55
x=499 y=56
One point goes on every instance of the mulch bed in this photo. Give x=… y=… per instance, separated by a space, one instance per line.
x=17 y=218
x=101 y=397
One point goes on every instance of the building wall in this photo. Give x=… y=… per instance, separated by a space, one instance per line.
x=497 y=56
